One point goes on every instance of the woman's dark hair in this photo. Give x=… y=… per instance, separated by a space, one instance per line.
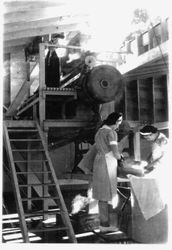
x=148 y=129
x=112 y=118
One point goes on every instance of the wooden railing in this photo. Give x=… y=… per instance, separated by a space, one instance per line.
x=155 y=36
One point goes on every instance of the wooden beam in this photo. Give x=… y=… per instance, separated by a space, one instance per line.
x=16 y=187
x=43 y=13
x=60 y=92
x=136 y=125
x=67 y=180
x=153 y=54
x=40 y=31
x=13 y=49
x=55 y=21
x=42 y=84
x=16 y=124
x=144 y=72
x=66 y=123
x=31 y=104
x=12 y=110
x=16 y=42
x=16 y=6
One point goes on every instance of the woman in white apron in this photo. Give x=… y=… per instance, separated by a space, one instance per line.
x=105 y=169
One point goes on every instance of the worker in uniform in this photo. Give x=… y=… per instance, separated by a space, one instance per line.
x=150 y=192
x=105 y=169
x=159 y=147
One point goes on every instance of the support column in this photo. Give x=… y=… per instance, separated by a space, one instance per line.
x=45 y=179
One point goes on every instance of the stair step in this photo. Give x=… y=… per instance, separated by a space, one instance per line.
x=26 y=140
x=36 y=220
x=28 y=150
x=48 y=229
x=30 y=161
x=34 y=172
x=22 y=130
x=42 y=213
x=41 y=198
x=37 y=184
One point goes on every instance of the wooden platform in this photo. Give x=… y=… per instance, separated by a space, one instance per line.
x=74 y=184
x=79 y=178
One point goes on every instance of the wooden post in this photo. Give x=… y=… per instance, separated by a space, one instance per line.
x=6 y=81
x=164 y=30
x=151 y=35
x=139 y=44
x=41 y=83
x=63 y=111
x=45 y=179
x=28 y=76
x=42 y=99
x=136 y=143
x=138 y=97
x=29 y=177
x=35 y=112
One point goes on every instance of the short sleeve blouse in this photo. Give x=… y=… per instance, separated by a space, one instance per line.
x=104 y=138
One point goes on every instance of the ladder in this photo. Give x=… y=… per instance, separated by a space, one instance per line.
x=36 y=188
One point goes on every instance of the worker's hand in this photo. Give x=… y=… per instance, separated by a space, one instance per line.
x=148 y=168
x=122 y=157
x=120 y=163
x=125 y=155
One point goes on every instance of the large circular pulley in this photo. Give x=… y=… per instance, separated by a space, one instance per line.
x=104 y=84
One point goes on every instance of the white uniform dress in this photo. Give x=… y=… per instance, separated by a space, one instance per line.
x=105 y=166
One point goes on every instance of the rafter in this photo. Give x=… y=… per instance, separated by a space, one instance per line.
x=42 y=13
x=146 y=57
x=15 y=6
x=16 y=42
x=40 y=31
x=12 y=27
x=23 y=20
x=13 y=49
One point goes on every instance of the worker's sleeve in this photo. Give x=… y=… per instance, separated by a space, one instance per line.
x=158 y=149
x=113 y=142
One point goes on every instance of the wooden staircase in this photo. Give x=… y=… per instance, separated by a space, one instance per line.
x=37 y=191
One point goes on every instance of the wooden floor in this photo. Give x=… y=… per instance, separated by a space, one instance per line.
x=11 y=234
x=85 y=225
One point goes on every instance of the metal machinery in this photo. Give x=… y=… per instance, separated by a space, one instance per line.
x=69 y=111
